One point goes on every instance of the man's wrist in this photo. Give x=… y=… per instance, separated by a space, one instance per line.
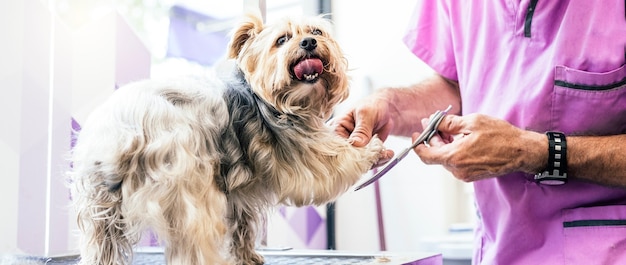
x=535 y=146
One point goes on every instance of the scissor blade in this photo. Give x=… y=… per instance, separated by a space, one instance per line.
x=428 y=132
x=391 y=164
x=378 y=175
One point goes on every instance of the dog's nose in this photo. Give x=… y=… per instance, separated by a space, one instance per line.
x=308 y=44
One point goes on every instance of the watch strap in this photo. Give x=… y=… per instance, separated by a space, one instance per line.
x=556 y=171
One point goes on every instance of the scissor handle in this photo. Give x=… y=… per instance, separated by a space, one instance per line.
x=431 y=129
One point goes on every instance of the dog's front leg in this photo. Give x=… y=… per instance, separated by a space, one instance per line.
x=244 y=238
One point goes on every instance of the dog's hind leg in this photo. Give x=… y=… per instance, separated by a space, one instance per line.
x=195 y=230
x=100 y=219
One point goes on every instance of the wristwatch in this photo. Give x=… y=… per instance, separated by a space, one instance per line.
x=556 y=172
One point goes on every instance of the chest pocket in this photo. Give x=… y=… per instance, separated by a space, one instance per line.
x=587 y=103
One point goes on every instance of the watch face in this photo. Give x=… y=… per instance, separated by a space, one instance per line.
x=552 y=181
x=547 y=179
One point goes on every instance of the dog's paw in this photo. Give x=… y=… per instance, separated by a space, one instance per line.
x=375 y=143
x=255 y=259
x=248 y=258
x=376 y=149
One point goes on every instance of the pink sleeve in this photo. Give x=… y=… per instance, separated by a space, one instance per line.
x=428 y=36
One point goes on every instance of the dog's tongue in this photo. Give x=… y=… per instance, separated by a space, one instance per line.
x=309 y=67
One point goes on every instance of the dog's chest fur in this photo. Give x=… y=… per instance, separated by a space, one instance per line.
x=254 y=124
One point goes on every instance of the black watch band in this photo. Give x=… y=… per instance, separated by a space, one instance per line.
x=556 y=172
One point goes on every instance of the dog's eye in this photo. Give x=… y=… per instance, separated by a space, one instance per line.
x=282 y=40
x=316 y=32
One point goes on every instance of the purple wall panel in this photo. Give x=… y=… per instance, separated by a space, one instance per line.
x=188 y=40
x=306 y=228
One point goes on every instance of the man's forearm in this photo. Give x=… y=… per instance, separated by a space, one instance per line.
x=598 y=159
x=410 y=104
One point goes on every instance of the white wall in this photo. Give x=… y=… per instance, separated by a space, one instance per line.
x=418 y=201
x=55 y=69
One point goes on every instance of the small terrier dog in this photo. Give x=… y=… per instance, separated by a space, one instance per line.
x=201 y=160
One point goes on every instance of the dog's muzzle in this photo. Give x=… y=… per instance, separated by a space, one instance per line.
x=308 y=69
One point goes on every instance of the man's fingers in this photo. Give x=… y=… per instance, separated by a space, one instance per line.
x=362 y=132
x=342 y=127
x=451 y=124
x=359 y=137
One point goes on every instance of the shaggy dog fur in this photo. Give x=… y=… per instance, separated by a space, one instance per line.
x=201 y=160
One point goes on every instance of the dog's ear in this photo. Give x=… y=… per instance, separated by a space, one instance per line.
x=247 y=30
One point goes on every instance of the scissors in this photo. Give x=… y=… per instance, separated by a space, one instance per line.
x=429 y=131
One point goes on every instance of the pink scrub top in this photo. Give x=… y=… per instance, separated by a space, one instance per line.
x=543 y=66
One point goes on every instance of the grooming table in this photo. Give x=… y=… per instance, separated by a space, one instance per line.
x=155 y=256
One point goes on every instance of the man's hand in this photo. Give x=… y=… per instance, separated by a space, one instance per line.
x=476 y=147
x=361 y=123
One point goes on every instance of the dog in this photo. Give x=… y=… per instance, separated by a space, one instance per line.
x=201 y=160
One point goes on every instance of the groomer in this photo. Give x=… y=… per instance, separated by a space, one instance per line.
x=539 y=93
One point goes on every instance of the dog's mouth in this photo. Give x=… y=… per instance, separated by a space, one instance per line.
x=308 y=69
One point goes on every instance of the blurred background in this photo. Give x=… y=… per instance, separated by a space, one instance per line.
x=64 y=57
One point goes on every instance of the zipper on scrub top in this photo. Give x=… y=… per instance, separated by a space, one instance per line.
x=529 y=17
